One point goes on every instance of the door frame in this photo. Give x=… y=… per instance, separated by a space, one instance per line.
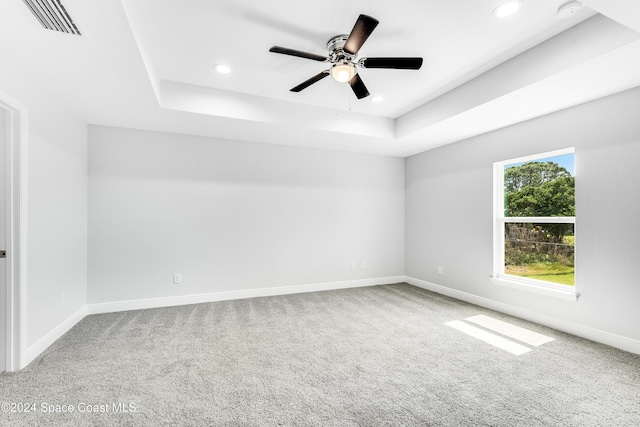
x=14 y=323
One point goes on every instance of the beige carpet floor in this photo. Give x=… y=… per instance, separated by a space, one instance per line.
x=374 y=356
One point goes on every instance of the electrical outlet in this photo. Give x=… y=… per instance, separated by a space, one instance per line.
x=353 y=265
x=440 y=270
x=364 y=265
x=177 y=278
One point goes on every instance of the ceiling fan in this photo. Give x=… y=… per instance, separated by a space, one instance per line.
x=343 y=52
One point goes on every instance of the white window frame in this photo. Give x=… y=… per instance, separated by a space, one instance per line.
x=565 y=292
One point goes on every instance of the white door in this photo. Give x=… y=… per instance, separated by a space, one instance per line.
x=3 y=238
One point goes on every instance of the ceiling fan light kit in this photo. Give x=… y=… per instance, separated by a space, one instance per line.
x=342 y=73
x=342 y=55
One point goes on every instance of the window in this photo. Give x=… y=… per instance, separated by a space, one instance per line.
x=534 y=223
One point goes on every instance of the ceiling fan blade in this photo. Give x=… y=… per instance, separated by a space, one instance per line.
x=396 y=63
x=360 y=33
x=298 y=53
x=358 y=87
x=311 y=81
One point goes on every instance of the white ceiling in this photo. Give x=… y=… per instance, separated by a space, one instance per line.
x=148 y=64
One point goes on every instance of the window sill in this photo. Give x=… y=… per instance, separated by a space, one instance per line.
x=541 y=289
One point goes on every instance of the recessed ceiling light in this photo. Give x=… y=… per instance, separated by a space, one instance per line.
x=377 y=99
x=507 y=8
x=222 y=69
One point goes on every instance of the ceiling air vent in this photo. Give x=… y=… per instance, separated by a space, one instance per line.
x=52 y=15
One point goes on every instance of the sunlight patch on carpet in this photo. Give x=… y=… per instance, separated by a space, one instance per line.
x=512 y=331
x=489 y=338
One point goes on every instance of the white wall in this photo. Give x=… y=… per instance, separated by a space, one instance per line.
x=449 y=212
x=56 y=188
x=231 y=215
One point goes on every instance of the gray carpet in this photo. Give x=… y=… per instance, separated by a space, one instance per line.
x=375 y=356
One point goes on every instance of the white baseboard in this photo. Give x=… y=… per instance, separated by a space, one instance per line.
x=110 y=307
x=623 y=343
x=43 y=343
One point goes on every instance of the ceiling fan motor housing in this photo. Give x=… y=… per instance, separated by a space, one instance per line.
x=337 y=54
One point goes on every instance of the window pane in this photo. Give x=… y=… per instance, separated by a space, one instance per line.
x=540 y=251
x=545 y=187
